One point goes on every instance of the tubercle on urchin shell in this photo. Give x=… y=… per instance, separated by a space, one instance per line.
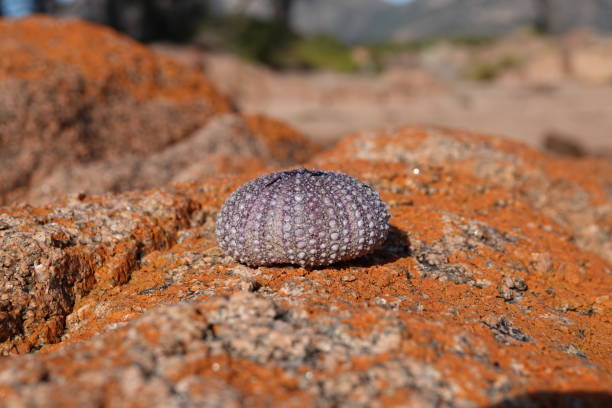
x=303 y=217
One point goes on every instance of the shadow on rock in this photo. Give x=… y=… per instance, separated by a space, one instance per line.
x=396 y=246
x=573 y=399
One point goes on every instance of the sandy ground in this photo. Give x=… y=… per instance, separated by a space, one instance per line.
x=525 y=113
x=328 y=106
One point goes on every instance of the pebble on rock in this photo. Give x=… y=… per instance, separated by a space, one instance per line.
x=302 y=217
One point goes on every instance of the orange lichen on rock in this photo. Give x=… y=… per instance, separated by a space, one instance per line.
x=574 y=194
x=36 y=47
x=284 y=143
x=73 y=93
x=88 y=110
x=486 y=292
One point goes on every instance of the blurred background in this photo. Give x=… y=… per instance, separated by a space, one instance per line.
x=117 y=95
x=536 y=70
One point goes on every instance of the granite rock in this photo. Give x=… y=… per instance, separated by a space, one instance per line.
x=492 y=288
x=259 y=141
x=73 y=92
x=116 y=117
x=486 y=293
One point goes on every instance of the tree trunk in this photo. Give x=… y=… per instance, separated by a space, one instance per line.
x=282 y=11
x=544 y=20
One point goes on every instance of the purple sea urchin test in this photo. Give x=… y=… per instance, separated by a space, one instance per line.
x=303 y=217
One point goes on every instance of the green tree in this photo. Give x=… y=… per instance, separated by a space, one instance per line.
x=150 y=20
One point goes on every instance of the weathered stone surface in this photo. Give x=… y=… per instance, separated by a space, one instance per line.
x=73 y=92
x=489 y=291
x=52 y=257
x=260 y=142
x=576 y=194
x=493 y=288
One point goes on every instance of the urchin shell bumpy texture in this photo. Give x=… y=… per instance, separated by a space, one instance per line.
x=302 y=217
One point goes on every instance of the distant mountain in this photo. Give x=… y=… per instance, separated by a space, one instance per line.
x=361 y=20
x=374 y=20
x=349 y=20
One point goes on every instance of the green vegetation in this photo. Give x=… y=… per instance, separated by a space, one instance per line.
x=320 y=52
x=472 y=40
x=253 y=39
x=380 y=51
x=490 y=70
x=422 y=44
x=275 y=45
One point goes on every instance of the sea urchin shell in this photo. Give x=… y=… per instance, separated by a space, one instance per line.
x=303 y=217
